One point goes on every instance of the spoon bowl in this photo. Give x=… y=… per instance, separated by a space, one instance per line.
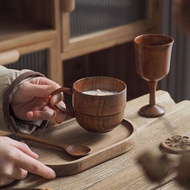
x=75 y=150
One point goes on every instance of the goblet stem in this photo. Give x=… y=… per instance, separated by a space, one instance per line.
x=152 y=90
x=152 y=109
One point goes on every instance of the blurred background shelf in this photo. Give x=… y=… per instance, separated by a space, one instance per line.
x=67 y=39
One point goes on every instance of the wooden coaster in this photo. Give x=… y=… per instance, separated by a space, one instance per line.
x=176 y=144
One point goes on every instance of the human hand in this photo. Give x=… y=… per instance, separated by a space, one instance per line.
x=17 y=159
x=30 y=100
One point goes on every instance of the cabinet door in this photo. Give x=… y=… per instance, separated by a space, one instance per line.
x=89 y=26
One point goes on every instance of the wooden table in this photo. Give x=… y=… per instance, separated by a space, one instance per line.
x=123 y=172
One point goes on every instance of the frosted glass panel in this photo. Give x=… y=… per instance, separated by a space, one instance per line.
x=36 y=61
x=96 y=15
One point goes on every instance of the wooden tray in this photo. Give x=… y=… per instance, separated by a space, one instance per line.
x=103 y=146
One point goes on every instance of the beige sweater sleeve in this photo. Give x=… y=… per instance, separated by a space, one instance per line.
x=9 y=81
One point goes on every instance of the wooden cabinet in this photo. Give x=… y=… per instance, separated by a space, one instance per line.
x=98 y=35
x=30 y=26
x=74 y=50
x=90 y=26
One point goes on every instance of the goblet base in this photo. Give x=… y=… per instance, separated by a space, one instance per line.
x=152 y=111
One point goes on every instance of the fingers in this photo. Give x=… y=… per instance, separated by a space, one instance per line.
x=46 y=114
x=43 y=81
x=60 y=117
x=19 y=145
x=5 y=180
x=25 y=159
x=24 y=148
x=17 y=159
x=13 y=172
x=40 y=115
x=9 y=172
x=40 y=86
x=55 y=99
x=34 y=166
x=38 y=90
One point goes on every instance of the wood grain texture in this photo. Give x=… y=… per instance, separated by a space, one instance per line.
x=110 y=37
x=153 y=53
x=103 y=146
x=26 y=28
x=123 y=172
x=29 y=26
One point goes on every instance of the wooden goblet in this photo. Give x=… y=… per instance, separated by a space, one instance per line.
x=153 y=54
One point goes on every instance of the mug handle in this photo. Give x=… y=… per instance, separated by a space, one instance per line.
x=57 y=106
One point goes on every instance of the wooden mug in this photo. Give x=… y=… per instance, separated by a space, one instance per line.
x=98 y=102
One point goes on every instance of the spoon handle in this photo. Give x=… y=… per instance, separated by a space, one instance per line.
x=33 y=138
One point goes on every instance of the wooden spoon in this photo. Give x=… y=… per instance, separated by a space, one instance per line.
x=75 y=150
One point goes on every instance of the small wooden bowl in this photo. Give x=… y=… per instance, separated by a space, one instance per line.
x=99 y=113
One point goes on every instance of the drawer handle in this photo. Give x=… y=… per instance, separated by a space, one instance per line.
x=9 y=57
